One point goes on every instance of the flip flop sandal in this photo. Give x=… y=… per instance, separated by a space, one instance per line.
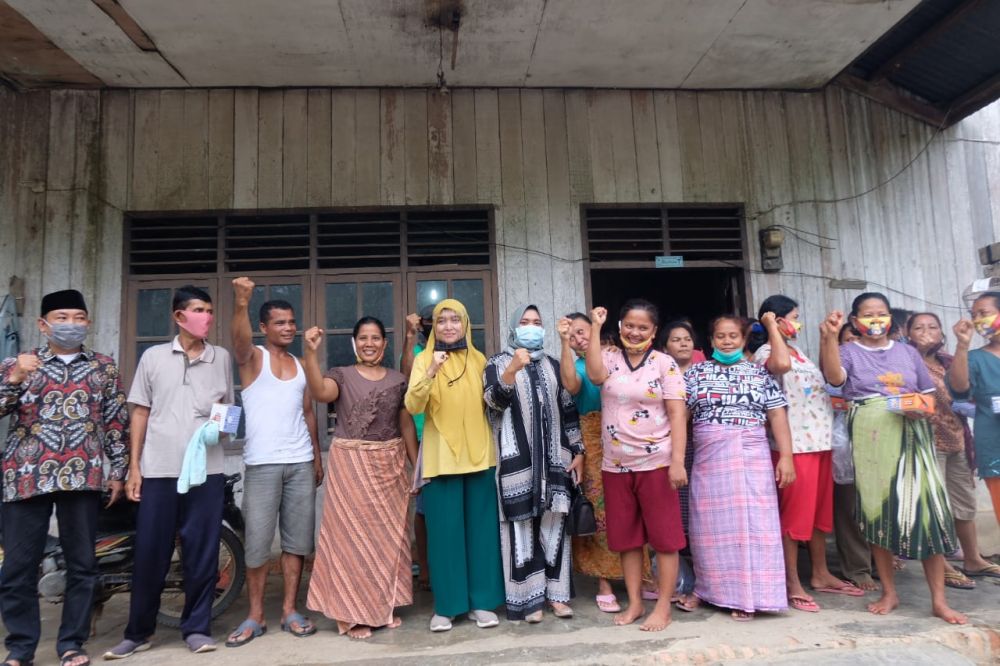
x=989 y=571
x=564 y=612
x=741 y=616
x=70 y=655
x=256 y=629
x=608 y=603
x=848 y=589
x=958 y=580
x=803 y=604
x=650 y=595
x=306 y=627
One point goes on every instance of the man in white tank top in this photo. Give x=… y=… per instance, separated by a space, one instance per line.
x=281 y=457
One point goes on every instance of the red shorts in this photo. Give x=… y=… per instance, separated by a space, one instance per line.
x=807 y=504
x=641 y=508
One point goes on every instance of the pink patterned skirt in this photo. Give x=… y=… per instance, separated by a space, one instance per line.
x=735 y=530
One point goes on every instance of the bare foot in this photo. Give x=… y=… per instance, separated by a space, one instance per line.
x=396 y=621
x=658 y=620
x=885 y=604
x=360 y=632
x=629 y=615
x=866 y=583
x=950 y=616
x=898 y=564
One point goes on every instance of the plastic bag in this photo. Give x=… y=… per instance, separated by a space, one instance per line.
x=843 y=454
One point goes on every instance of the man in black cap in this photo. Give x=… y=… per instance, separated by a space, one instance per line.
x=69 y=418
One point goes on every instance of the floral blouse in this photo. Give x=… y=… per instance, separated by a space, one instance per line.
x=810 y=412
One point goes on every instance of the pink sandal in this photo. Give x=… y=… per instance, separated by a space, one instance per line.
x=608 y=603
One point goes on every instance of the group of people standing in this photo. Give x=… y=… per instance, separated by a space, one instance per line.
x=729 y=460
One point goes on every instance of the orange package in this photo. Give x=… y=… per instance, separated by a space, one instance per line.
x=911 y=402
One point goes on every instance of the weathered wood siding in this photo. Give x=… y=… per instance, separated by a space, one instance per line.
x=903 y=211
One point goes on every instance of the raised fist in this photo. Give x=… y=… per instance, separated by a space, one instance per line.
x=599 y=315
x=25 y=366
x=313 y=338
x=963 y=331
x=243 y=289
x=413 y=323
x=521 y=358
x=438 y=359
x=832 y=324
x=768 y=320
x=563 y=327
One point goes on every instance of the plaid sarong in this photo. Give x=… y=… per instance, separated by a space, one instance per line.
x=734 y=530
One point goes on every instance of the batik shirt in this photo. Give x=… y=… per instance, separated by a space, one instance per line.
x=738 y=395
x=810 y=412
x=635 y=430
x=67 y=420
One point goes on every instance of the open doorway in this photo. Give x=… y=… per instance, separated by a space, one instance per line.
x=698 y=294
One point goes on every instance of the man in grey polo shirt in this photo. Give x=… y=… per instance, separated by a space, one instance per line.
x=282 y=457
x=172 y=395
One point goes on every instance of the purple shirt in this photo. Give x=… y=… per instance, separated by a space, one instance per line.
x=891 y=370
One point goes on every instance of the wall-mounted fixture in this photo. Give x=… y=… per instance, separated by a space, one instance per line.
x=850 y=284
x=771 y=240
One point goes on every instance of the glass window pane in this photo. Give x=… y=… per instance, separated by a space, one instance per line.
x=341 y=305
x=291 y=293
x=390 y=354
x=253 y=310
x=470 y=293
x=429 y=292
x=153 y=316
x=339 y=351
x=479 y=340
x=141 y=347
x=376 y=301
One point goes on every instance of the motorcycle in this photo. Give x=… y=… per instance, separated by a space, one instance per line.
x=115 y=552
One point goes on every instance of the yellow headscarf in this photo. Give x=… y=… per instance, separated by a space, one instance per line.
x=456 y=402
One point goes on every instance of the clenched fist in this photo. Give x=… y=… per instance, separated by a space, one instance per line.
x=599 y=315
x=521 y=358
x=563 y=326
x=437 y=360
x=832 y=324
x=769 y=320
x=243 y=289
x=963 y=331
x=313 y=338
x=25 y=366
x=412 y=324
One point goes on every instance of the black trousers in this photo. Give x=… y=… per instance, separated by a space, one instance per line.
x=25 y=528
x=163 y=515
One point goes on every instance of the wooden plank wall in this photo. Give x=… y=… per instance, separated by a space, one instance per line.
x=878 y=199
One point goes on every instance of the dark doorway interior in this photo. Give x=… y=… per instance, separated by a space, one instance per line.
x=698 y=294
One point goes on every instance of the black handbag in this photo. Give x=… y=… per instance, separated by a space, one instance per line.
x=581 y=515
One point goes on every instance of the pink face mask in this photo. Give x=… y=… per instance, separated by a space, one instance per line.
x=197 y=324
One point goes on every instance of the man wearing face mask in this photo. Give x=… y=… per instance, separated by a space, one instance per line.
x=175 y=387
x=69 y=417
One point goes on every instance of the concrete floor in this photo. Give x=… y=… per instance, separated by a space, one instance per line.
x=843 y=633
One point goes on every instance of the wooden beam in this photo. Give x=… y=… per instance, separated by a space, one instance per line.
x=128 y=25
x=894 y=97
x=890 y=66
x=974 y=99
x=29 y=59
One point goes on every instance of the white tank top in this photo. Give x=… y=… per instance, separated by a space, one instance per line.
x=276 y=426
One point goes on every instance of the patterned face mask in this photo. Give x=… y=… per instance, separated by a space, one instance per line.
x=987 y=326
x=789 y=328
x=874 y=326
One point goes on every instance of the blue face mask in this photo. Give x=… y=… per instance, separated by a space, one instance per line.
x=530 y=337
x=728 y=358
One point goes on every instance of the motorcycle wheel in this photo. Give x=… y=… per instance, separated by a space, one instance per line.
x=232 y=575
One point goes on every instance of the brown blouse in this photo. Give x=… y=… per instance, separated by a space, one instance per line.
x=367 y=409
x=949 y=437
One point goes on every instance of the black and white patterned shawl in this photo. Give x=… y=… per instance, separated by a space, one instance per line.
x=537 y=432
